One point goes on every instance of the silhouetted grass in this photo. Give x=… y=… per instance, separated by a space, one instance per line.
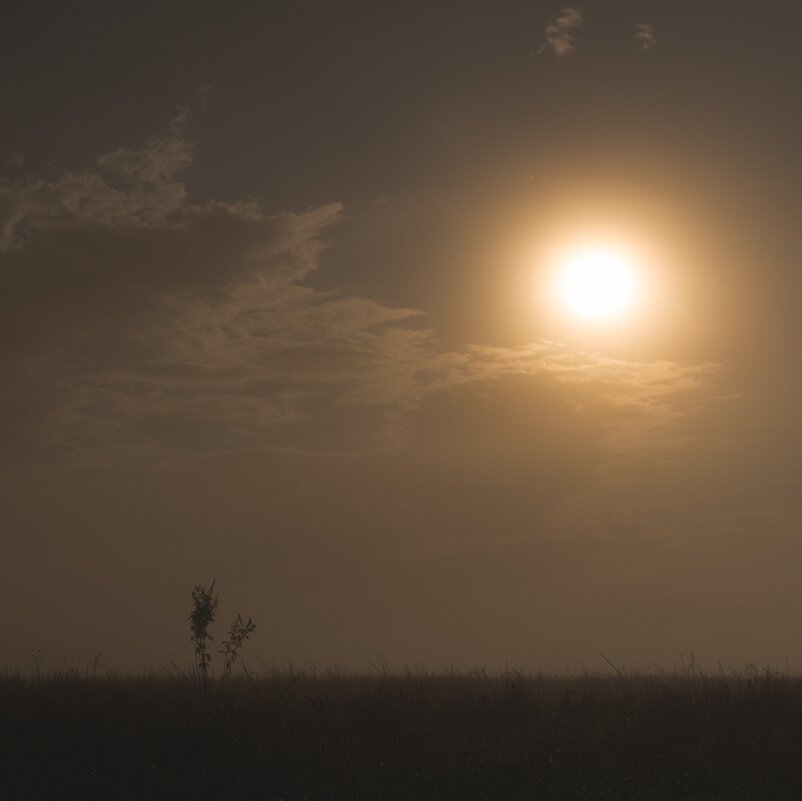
x=330 y=736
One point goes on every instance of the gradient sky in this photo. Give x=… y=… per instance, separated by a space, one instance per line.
x=270 y=311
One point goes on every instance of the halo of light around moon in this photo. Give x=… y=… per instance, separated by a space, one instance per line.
x=596 y=283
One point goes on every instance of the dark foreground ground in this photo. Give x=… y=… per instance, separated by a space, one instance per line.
x=379 y=738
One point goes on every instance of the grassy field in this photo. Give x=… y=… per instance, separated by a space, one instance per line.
x=323 y=737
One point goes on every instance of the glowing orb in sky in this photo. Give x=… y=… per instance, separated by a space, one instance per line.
x=596 y=283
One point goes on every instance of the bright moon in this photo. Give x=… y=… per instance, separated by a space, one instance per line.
x=597 y=283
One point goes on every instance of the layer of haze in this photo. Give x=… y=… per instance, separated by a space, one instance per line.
x=271 y=311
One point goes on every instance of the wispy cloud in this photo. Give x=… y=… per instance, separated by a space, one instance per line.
x=131 y=188
x=171 y=329
x=645 y=36
x=560 y=33
x=125 y=188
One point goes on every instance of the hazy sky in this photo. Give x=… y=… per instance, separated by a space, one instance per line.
x=272 y=309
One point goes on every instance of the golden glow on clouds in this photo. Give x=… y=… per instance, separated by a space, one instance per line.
x=596 y=282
